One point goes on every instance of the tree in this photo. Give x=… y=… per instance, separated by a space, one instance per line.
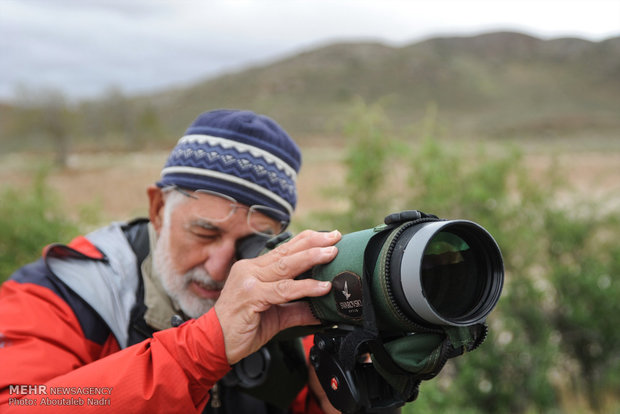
x=45 y=115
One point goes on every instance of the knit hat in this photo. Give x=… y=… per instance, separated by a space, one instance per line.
x=240 y=154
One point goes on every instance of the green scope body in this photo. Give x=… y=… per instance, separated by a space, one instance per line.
x=444 y=272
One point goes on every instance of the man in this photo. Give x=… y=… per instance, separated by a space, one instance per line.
x=95 y=322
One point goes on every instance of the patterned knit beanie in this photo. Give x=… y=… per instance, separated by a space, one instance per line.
x=240 y=154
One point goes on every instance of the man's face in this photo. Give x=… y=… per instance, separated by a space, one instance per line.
x=196 y=249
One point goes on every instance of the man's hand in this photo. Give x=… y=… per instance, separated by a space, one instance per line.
x=254 y=304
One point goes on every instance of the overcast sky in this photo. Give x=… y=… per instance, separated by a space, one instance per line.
x=84 y=47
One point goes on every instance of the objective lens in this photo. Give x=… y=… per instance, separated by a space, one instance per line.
x=447 y=273
x=450 y=276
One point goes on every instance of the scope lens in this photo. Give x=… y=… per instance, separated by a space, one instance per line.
x=451 y=278
x=446 y=273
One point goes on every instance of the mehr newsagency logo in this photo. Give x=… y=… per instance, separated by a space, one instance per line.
x=58 y=396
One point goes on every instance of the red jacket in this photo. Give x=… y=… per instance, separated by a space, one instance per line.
x=55 y=351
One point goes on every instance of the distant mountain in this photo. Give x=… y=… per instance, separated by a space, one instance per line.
x=497 y=84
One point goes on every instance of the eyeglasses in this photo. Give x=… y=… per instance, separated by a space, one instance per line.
x=263 y=220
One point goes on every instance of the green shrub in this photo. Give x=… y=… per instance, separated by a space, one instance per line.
x=586 y=263
x=30 y=218
x=370 y=145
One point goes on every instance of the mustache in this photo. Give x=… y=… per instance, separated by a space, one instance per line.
x=201 y=276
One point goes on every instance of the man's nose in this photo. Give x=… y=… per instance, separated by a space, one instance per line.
x=220 y=260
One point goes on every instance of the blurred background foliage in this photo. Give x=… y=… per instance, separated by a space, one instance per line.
x=29 y=220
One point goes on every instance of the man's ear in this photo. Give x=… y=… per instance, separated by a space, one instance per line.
x=156 y=206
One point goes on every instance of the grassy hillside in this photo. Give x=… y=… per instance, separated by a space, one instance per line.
x=497 y=85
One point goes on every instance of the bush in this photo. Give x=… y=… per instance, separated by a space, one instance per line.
x=29 y=219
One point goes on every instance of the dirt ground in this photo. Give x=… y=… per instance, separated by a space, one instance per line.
x=115 y=183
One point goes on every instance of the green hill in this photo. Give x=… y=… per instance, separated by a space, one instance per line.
x=498 y=85
x=493 y=84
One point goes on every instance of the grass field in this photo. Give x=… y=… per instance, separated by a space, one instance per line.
x=114 y=183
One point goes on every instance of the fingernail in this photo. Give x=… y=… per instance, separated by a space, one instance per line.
x=330 y=250
x=325 y=284
x=334 y=234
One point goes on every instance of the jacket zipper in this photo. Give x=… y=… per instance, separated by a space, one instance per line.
x=216 y=402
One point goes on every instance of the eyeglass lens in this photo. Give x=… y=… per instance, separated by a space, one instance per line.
x=261 y=219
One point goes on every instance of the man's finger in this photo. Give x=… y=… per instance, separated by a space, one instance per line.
x=303 y=241
x=296 y=314
x=287 y=267
x=287 y=290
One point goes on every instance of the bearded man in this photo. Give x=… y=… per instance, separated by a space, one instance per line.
x=152 y=314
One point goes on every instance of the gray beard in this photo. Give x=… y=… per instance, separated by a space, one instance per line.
x=177 y=285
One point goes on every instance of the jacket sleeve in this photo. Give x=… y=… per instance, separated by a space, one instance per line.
x=47 y=362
